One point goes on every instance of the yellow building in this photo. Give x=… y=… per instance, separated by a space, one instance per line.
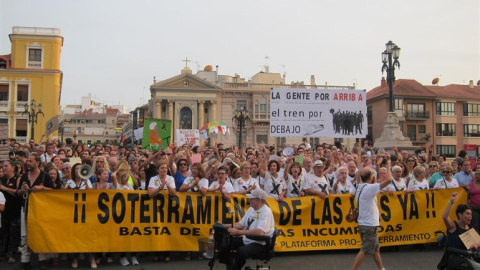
x=30 y=72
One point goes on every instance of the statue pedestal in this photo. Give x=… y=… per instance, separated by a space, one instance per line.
x=393 y=136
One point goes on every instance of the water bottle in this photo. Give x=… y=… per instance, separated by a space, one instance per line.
x=210 y=245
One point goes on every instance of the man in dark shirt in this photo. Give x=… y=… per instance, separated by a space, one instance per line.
x=33 y=180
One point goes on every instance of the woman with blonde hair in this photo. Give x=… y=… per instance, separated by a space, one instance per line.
x=419 y=182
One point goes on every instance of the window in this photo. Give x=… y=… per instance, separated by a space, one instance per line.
x=3 y=92
x=471 y=130
x=21 y=128
x=369 y=114
x=471 y=109
x=422 y=129
x=99 y=141
x=22 y=92
x=66 y=129
x=262 y=109
x=398 y=104
x=34 y=58
x=412 y=132
x=446 y=129
x=447 y=150
x=416 y=110
x=241 y=104
x=445 y=108
x=280 y=141
x=262 y=138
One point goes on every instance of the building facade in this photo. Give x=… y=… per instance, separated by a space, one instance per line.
x=191 y=101
x=445 y=116
x=30 y=72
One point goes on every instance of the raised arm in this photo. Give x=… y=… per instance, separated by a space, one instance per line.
x=446 y=213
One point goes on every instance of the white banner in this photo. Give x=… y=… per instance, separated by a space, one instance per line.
x=187 y=136
x=318 y=113
x=138 y=133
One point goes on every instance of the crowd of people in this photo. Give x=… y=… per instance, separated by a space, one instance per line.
x=320 y=170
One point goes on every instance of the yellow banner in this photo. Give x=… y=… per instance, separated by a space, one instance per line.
x=116 y=221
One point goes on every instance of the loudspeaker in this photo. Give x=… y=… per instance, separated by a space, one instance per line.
x=85 y=171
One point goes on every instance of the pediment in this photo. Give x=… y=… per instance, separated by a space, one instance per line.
x=184 y=81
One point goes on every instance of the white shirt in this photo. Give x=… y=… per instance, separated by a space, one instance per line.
x=442 y=183
x=344 y=189
x=128 y=186
x=2 y=198
x=72 y=185
x=156 y=183
x=317 y=183
x=258 y=219
x=368 y=209
x=294 y=187
x=241 y=185
x=274 y=186
x=400 y=185
x=414 y=184
x=227 y=187
x=203 y=183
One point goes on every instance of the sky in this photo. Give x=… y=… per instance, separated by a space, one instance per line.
x=113 y=49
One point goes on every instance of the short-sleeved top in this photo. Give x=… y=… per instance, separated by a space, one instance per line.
x=203 y=183
x=396 y=185
x=366 y=197
x=156 y=183
x=295 y=186
x=474 y=195
x=317 y=183
x=258 y=219
x=227 y=187
x=463 y=178
x=240 y=184
x=43 y=179
x=72 y=185
x=127 y=186
x=2 y=199
x=274 y=186
x=414 y=184
x=179 y=179
x=14 y=203
x=443 y=183
x=345 y=188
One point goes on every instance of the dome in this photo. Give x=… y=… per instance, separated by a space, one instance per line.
x=208 y=68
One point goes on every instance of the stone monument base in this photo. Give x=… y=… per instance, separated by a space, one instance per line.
x=392 y=136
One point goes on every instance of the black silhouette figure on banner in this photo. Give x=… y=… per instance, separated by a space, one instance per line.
x=347 y=122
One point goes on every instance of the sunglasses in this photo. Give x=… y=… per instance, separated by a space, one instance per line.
x=410 y=160
x=432 y=166
x=182 y=164
x=447 y=172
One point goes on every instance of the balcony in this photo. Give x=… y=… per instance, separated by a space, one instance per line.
x=419 y=137
x=36 y=31
x=20 y=106
x=417 y=115
x=4 y=106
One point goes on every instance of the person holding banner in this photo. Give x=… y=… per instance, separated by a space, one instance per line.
x=162 y=181
x=274 y=183
x=295 y=180
x=33 y=181
x=369 y=216
x=317 y=184
x=419 y=182
x=221 y=184
x=447 y=181
x=197 y=182
x=245 y=183
x=342 y=186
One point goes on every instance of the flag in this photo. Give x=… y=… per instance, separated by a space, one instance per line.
x=51 y=125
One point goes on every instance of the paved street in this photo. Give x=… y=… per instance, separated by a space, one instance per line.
x=404 y=259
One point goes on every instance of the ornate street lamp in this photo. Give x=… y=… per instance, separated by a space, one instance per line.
x=240 y=117
x=33 y=115
x=392 y=53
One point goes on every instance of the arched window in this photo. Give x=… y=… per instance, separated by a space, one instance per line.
x=185 y=118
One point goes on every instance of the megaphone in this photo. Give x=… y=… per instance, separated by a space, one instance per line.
x=288 y=151
x=85 y=171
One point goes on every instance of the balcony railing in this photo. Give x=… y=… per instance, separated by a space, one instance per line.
x=36 y=31
x=20 y=106
x=4 y=106
x=417 y=115
x=412 y=136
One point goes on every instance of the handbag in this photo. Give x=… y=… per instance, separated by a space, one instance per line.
x=353 y=215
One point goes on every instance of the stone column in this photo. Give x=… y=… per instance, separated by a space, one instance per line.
x=201 y=111
x=170 y=116
x=214 y=111
x=158 y=109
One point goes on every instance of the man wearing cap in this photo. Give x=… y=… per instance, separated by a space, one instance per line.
x=316 y=184
x=258 y=221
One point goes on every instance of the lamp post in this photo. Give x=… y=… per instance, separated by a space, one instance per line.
x=241 y=117
x=391 y=53
x=75 y=136
x=33 y=115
